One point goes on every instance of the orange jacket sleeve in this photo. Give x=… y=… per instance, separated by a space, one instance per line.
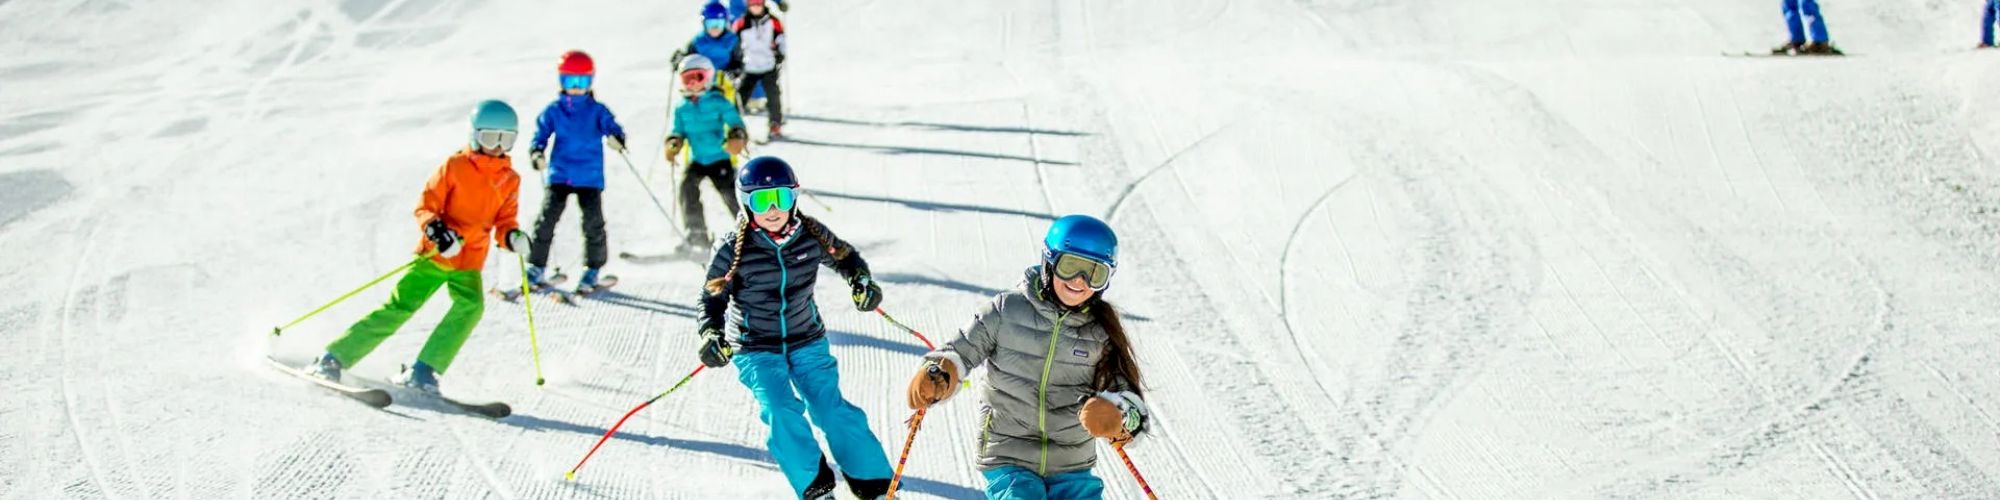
x=504 y=222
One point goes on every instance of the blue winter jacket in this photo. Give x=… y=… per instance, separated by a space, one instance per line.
x=704 y=123
x=722 y=51
x=773 y=287
x=579 y=124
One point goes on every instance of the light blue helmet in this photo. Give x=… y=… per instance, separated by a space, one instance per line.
x=1081 y=235
x=492 y=114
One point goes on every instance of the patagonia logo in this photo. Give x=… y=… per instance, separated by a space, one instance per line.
x=1080 y=353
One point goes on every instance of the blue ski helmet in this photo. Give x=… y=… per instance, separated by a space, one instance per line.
x=714 y=11
x=1081 y=235
x=492 y=114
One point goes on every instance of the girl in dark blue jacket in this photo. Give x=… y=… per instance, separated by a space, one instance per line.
x=581 y=128
x=767 y=269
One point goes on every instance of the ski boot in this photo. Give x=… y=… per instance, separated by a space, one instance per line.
x=588 y=282
x=1789 y=48
x=325 y=368
x=776 y=132
x=1821 y=49
x=868 y=488
x=420 y=377
x=822 y=484
x=535 y=276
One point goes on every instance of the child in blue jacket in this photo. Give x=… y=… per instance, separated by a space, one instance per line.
x=581 y=128
x=716 y=42
x=707 y=123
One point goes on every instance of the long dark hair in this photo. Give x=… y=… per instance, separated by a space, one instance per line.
x=1118 y=361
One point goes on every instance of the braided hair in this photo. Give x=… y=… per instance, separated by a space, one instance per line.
x=715 y=286
x=743 y=227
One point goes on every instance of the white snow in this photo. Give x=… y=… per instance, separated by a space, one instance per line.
x=1446 y=249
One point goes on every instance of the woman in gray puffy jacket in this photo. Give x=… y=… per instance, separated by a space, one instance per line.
x=1060 y=370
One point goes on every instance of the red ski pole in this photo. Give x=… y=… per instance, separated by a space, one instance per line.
x=571 y=475
x=915 y=420
x=1135 y=471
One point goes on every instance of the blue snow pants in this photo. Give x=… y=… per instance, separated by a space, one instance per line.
x=779 y=381
x=1011 y=482
x=1801 y=14
x=1986 y=26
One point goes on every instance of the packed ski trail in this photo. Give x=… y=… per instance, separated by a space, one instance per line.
x=1431 y=249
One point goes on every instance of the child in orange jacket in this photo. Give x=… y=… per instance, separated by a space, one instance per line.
x=469 y=200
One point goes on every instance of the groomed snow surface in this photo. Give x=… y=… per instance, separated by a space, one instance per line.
x=1450 y=249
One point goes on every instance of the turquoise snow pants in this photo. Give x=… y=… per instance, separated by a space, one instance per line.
x=1012 y=482
x=780 y=381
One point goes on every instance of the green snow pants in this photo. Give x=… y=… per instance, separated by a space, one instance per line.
x=467 y=304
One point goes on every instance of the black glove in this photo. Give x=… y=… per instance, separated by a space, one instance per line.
x=715 y=349
x=783 y=8
x=867 y=295
x=442 y=236
x=538 y=159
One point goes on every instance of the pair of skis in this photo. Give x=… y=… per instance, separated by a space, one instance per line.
x=551 y=288
x=379 y=398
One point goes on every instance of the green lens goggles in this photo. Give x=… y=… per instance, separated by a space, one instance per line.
x=765 y=200
x=1071 y=266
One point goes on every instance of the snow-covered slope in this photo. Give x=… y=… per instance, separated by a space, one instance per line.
x=1420 y=249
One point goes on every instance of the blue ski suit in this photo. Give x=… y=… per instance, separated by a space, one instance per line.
x=1801 y=15
x=579 y=125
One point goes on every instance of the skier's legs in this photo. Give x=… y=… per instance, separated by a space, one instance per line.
x=791 y=443
x=467 y=305
x=1792 y=22
x=1076 y=485
x=747 y=87
x=553 y=199
x=691 y=218
x=596 y=249
x=855 y=448
x=774 y=99
x=1013 y=482
x=361 y=338
x=1810 y=9
x=723 y=177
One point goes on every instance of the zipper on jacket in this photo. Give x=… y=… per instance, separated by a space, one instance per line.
x=784 y=298
x=1048 y=361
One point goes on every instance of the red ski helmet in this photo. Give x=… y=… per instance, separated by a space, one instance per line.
x=576 y=62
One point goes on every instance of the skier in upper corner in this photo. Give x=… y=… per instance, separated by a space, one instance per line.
x=720 y=45
x=1802 y=18
x=763 y=43
x=1060 y=370
x=1986 y=24
x=468 y=202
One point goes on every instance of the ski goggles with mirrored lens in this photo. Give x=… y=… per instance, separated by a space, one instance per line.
x=1071 y=266
x=575 y=82
x=696 y=78
x=494 y=140
x=765 y=200
x=715 y=24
